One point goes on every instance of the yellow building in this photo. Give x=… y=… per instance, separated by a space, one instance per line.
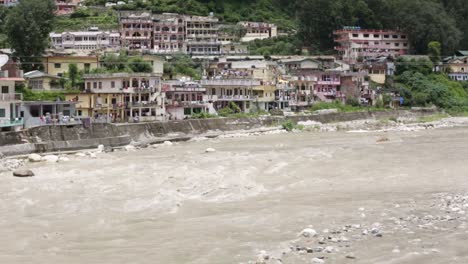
x=96 y=104
x=58 y=64
x=38 y=81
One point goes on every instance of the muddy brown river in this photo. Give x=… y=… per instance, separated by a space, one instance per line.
x=395 y=197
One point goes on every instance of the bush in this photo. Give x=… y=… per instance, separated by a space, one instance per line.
x=289 y=126
x=225 y=112
x=352 y=101
x=203 y=115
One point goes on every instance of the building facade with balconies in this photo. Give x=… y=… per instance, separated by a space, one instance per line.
x=184 y=99
x=10 y=104
x=356 y=44
x=221 y=92
x=124 y=96
x=258 y=30
x=90 y=40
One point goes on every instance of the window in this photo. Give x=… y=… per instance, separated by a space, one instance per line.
x=397 y=44
x=88 y=85
x=403 y=36
x=355 y=35
x=2 y=112
x=112 y=84
x=87 y=67
x=187 y=111
x=366 y=35
x=100 y=85
x=95 y=85
x=376 y=35
x=395 y=36
x=57 y=65
x=386 y=36
x=5 y=89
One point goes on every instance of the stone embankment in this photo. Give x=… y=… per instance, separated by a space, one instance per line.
x=47 y=139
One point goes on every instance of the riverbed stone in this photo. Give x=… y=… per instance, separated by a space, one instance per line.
x=23 y=173
x=210 y=150
x=34 y=157
x=309 y=232
x=317 y=260
x=50 y=158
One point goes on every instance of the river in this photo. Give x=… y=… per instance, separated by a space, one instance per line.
x=178 y=204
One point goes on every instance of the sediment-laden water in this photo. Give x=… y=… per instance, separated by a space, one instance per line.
x=398 y=200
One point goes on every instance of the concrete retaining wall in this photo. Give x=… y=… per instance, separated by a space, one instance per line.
x=75 y=137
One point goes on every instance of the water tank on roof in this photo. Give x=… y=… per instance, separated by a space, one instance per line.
x=3 y=59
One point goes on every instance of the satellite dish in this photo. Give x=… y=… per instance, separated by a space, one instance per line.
x=3 y=60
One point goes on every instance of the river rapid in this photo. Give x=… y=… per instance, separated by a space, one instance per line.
x=374 y=197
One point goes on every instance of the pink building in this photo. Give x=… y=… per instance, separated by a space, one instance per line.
x=8 y=2
x=184 y=99
x=356 y=44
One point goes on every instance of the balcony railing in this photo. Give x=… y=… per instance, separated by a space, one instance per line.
x=10 y=123
x=230 y=97
x=142 y=104
x=328 y=82
x=230 y=82
x=11 y=97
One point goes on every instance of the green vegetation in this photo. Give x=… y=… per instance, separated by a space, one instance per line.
x=203 y=115
x=29 y=95
x=419 y=86
x=87 y=17
x=275 y=46
x=182 y=65
x=27 y=27
x=113 y=63
x=3 y=37
x=289 y=126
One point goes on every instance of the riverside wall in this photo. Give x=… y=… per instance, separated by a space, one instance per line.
x=75 y=137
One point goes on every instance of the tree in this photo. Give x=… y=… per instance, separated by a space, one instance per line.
x=73 y=74
x=27 y=27
x=434 y=50
x=139 y=65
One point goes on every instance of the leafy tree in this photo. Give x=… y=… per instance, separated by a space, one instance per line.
x=73 y=74
x=138 y=65
x=434 y=50
x=182 y=65
x=28 y=25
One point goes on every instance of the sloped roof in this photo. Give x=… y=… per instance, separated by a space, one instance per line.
x=462 y=53
x=38 y=74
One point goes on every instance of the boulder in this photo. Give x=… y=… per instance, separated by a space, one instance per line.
x=108 y=149
x=209 y=150
x=309 y=232
x=80 y=154
x=317 y=260
x=130 y=148
x=100 y=148
x=50 y=158
x=63 y=159
x=34 y=158
x=23 y=173
x=167 y=143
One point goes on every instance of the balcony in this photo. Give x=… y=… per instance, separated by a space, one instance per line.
x=331 y=82
x=142 y=104
x=11 y=97
x=177 y=103
x=231 y=82
x=229 y=98
x=184 y=89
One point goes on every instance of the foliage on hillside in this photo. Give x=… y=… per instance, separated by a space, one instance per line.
x=85 y=18
x=419 y=86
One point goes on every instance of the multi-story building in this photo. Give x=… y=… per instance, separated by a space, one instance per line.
x=170 y=33
x=202 y=35
x=457 y=68
x=136 y=31
x=185 y=99
x=90 y=40
x=10 y=104
x=124 y=96
x=9 y=2
x=66 y=7
x=356 y=44
x=222 y=91
x=258 y=30
x=58 y=64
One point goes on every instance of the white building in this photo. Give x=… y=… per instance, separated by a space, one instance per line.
x=93 y=39
x=258 y=30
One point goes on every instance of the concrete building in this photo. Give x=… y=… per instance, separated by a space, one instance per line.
x=125 y=96
x=57 y=64
x=40 y=113
x=221 y=92
x=457 y=68
x=41 y=81
x=185 y=99
x=258 y=30
x=169 y=33
x=66 y=7
x=356 y=44
x=10 y=104
x=9 y=2
x=136 y=31
x=90 y=40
